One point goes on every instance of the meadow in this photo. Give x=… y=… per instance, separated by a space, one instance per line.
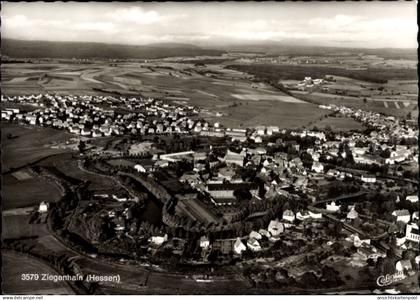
x=68 y=166
x=28 y=192
x=18 y=227
x=29 y=144
x=14 y=265
x=339 y=124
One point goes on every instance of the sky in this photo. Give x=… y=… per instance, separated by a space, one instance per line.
x=350 y=24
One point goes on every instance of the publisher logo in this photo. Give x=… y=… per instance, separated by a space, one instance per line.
x=388 y=279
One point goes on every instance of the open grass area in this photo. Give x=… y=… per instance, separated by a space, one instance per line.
x=282 y=114
x=14 y=265
x=69 y=166
x=339 y=124
x=28 y=192
x=17 y=227
x=28 y=144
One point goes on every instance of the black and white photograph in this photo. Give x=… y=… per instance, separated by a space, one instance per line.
x=209 y=148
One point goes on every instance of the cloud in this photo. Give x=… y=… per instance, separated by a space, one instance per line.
x=135 y=15
x=141 y=25
x=16 y=21
x=95 y=26
x=338 y=21
x=21 y=21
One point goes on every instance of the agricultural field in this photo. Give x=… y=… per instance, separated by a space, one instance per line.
x=391 y=91
x=398 y=108
x=339 y=124
x=26 y=192
x=251 y=113
x=285 y=72
x=211 y=87
x=232 y=90
x=14 y=265
x=24 y=145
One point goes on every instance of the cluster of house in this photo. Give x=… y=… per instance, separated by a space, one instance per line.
x=288 y=173
x=309 y=84
x=386 y=127
x=86 y=115
x=279 y=173
x=252 y=242
x=386 y=131
x=284 y=59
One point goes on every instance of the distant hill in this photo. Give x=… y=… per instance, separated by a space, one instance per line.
x=300 y=47
x=43 y=49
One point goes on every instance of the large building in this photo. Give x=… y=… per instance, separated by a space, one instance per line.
x=226 y=190
x=234 y=158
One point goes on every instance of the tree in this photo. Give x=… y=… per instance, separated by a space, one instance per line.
x=82 y=146
x=242 y=194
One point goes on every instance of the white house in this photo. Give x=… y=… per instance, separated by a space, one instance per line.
x=333 y=207
x=353 y=214
x=253 y=245
x=412 y=198
x=85 y=132
x=317 y=167
x=119 y=199
x=239 y=247
x=403 y=215
x=302 y=215
x=275 y=228
x=258 y=139
x=264 y=232
x=158 y=240
x=204 y=242
x=140 y=168
x=368 y=178
x=96 y=133
x=315 y=215
x=260 y=130
x=412 y=232
x=403 y=265
x=357 y=242
x=289 y=215
x=255 y=235
x=43 y=207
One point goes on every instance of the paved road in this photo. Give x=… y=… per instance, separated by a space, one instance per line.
x=148 y=279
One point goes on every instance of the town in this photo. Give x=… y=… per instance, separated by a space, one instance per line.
x=229 y=196
x=210 y=148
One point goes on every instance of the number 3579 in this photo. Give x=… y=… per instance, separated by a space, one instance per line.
x=29 y=277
